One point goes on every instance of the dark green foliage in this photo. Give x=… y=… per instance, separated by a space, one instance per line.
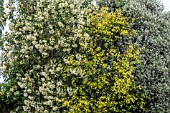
x=111 y=4
x=2 y=109
x=1 y=16
x=6 y=103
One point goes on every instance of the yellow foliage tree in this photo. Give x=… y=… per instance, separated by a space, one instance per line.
x=100 y=77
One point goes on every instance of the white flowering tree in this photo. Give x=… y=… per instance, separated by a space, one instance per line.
x=43 y=34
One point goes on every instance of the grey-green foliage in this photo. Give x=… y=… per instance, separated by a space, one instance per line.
x=153 y=73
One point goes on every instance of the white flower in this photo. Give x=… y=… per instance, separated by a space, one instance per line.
x=11 y=89
x=44 y=54
x=65 y=4
x=45 y=41
x=58 y=68
x=22 y=50
x=27 y=28
x=23 y=79
x=56 y=46
x=81 y=22
x=77 y=1
x=74 y=45
x=25 y=94
x=29 y=90
x=66 y=60
x=79 y=34
x=46 y=111
x=15 y=41
x=11 y=26
x=34 y=42
x=40 y=18
x=61 y=5
x=19 y=83
x=53 y=11
x=61 y=42
x=31 y=71
x=59 y=83
x=43 y=79
x=52 y=31
x=16 y=93
x=26 y=102
x=31 y=37
x=60 y=24
x=78 y=56
x=41 y=89
x=43 y=73
x=18 y=74
x=50 y=48
x=41 y=0
x=27 y=24
x=67 y=49
x=26 y=48
x=4 y=67
x=74 y=71
x=31 y=97
x=71 y=6
x=9 y=54
x=52 y=86
x=6 y=47
x=37 y=46
x=37 y=67
x=55 y=108
x=51 y=71
x=18 y=33
x=74 y=11
x=30 y=48
x=50 y=98
x=86 y=35
x=26 y=56
x=49 y=102
x=26 y=108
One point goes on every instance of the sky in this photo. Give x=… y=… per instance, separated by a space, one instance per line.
x=166 y=3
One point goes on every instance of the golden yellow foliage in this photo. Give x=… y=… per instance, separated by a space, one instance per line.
x=103 y=80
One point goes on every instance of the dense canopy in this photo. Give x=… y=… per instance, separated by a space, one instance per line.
x=72 y=56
